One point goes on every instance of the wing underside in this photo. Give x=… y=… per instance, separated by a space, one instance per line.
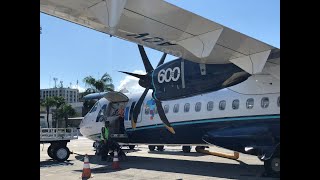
x=162 y=26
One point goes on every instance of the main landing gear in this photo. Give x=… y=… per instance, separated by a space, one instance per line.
x=159 y=148
x=272 y=165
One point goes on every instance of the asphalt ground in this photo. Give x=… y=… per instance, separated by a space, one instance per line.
x=171 y=163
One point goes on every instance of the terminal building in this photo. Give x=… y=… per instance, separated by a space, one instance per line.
x=70 y=95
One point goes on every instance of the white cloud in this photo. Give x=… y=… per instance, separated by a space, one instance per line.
x=81 y=89
x=131 y=83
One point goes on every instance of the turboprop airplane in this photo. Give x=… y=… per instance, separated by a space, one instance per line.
x=236 y=77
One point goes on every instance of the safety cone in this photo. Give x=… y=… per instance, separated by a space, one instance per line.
x=115 y=163
x=86 y=173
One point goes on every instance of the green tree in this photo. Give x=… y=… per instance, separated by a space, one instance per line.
x=94 y=86
x=48 y=103
x=99 y=85
x=64 y=111
x=59 y=100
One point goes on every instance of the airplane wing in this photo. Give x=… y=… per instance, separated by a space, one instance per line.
x=162 y=26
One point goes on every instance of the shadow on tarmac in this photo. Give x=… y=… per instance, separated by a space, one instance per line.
x=177 y=153
x=53 y=163
x=239 y=170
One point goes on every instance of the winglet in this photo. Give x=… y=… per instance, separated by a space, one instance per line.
x=171 y=129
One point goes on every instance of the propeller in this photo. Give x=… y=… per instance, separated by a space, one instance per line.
x=145 y=81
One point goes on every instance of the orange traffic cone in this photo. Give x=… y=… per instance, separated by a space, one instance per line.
x=86 y=173
x=115 y=163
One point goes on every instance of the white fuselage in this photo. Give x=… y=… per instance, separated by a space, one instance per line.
x=259 y=95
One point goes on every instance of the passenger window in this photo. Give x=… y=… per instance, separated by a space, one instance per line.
x=210 y=106
x=176 y=108
x=235 y=104
x=250 y=103
x=264 y=102
x=166 y=109
x=186 y=107
x=222 y=105
x=147 y=110
x=198 y=106
x=278 y=101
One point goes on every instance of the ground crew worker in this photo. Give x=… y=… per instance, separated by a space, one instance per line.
x=121 y=118
x=105 y=141
x=121 y=111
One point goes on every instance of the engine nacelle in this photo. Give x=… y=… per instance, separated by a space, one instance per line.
x=182 y=78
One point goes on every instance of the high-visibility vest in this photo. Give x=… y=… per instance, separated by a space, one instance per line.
x=104 y=133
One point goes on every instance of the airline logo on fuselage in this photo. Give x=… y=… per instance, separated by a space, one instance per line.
x=151 y=105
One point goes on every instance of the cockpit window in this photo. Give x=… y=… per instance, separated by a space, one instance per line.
x=101 y=113
x=94 y=108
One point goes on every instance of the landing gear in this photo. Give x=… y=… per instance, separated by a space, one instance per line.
x=160 y=148
x=186 y=149
x=199 y=148
x=151 y=147
x=272 y=166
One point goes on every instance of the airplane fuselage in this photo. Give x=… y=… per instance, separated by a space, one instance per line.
x=234 y=118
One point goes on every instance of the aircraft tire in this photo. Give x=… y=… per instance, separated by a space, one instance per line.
x=186 y=149
x=61 y=153
x=272 y=165
x=200 y=148
x=160 y=148
x=151 y=147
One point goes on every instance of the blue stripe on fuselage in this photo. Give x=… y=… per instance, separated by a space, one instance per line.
x=208 y=121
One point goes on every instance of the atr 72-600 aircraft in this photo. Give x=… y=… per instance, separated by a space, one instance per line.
x=224 y=89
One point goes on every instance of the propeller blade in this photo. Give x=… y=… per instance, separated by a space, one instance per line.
x=137 y=108
x=133 y=74
x=145 y=59
x=163 y=116
x=162 y=59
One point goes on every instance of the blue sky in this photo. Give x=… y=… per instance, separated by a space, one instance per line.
x=71 y=52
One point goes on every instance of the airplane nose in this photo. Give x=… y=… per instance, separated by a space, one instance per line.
x=81 y=125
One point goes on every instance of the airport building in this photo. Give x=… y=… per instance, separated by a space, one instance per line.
x=70 y=95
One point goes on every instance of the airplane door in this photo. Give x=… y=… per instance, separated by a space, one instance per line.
x=131 y=111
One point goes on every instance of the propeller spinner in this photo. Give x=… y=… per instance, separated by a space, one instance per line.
x=145 y=81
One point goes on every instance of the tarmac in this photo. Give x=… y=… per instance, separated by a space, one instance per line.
x=141 y=163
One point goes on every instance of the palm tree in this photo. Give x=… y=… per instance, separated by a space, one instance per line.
x=66 y=110
x=99 y=85
x=59 y=100
x=48 y=102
